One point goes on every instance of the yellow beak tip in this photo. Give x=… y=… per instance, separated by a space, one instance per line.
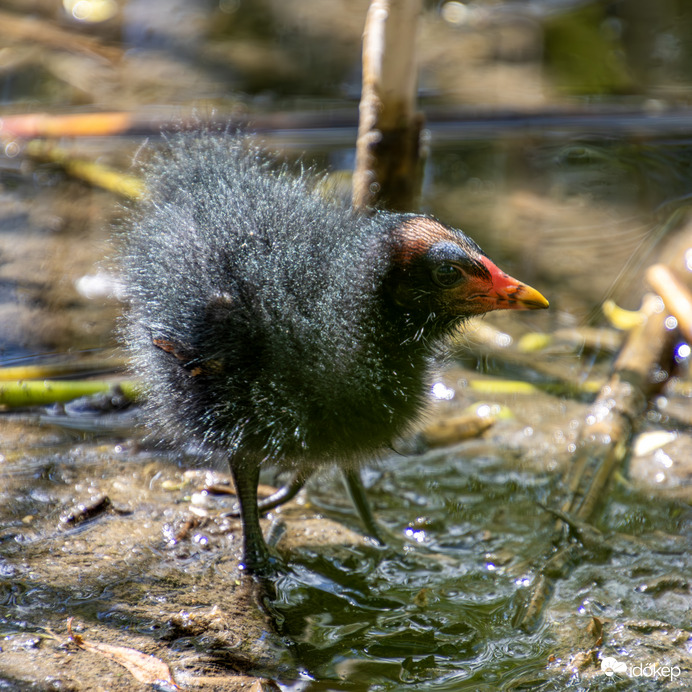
x=529 y=298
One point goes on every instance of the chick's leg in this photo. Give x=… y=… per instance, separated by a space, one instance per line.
x=356 y=491
x=283 y=495
x=256 y=557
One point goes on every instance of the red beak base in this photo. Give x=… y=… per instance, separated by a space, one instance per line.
x=506 y=293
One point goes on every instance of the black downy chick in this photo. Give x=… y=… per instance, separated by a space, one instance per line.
x=281 y=326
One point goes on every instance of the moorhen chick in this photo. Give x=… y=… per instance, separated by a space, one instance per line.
x=284 y=327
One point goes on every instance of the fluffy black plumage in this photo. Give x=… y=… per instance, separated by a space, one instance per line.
x=278 y=325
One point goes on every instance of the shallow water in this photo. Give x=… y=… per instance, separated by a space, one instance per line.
x=577 y=207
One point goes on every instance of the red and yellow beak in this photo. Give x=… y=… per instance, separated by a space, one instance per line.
x=504 y=293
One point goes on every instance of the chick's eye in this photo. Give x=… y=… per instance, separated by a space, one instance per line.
x=447 y=275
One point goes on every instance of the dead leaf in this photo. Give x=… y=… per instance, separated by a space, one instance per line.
x=595 y=629
x=143 y=667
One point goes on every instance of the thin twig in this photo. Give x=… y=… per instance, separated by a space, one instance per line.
x=603 y=444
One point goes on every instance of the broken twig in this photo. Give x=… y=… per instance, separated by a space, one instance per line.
x=603 y=444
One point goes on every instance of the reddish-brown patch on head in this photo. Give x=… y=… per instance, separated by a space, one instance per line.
x=415 y=236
